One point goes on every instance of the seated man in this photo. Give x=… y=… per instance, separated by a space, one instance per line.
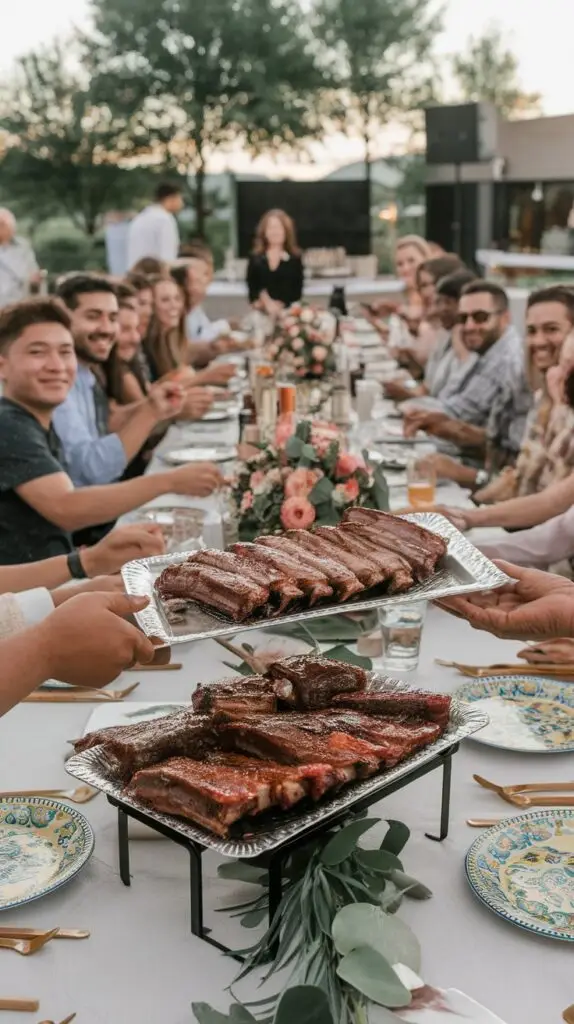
x=93 y=454
x=544 y=454
x=39 y=506
x=490 y=403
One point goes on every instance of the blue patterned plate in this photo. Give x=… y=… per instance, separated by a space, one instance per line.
x=43 y=843
x=527 y=713
x=523 y=869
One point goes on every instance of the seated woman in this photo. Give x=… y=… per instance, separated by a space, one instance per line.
x=207 y=338
x=275 y=268
x=166 y=347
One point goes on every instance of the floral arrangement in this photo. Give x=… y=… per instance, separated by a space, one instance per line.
x=337 y=931
x=302 y=343
x=305 y=479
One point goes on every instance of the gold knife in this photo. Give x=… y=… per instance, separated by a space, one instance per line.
x=30 y=933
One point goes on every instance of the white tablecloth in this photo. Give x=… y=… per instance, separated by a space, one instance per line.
x=141 y=962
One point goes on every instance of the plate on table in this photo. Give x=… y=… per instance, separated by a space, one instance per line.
x=464 y=569
x=182 y=456
x=530 y=714
x=523 y=869
x=43 y=844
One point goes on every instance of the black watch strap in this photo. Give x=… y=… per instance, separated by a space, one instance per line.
x=77 y=571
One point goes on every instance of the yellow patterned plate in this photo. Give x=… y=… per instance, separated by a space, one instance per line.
x=523 y=869
x=43 y=844
x=530 y=714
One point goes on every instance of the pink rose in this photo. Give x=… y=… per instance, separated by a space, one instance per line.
x=301 y=371
x=246 y=501
x=351 y=489
x=294 y=331
x=348 y=464
x=300 y=483
x=256 y=479
x=317 y=368
x=297 y=514
x=319 y=353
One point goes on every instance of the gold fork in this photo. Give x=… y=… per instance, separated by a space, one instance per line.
x=80 y=795
x=516 y=794
x=568 y=1014
x=28 y=946
x=79 y=695
x=68 y=1020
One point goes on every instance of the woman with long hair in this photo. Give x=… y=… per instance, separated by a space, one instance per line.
x=275 y=269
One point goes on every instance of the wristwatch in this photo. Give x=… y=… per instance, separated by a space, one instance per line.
x=482 y=478
x=77 y=571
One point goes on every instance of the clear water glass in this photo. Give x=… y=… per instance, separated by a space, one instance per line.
x=401 y=628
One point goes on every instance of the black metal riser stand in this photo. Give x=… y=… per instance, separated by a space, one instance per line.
x=274 y=861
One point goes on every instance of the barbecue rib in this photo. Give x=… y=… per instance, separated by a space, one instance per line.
x=311 y=682
x=233 y=595
x=254 y=695
x=281 y=586
x=343 y=581
x=289 y=783
x=184 y=734
x=312 y=582
x=422 y=564
x=279 y=739
x=364 y=569
x=413 y=704
x=383 y=521
x=394 y=570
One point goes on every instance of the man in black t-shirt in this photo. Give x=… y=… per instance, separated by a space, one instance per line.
x=39 y=506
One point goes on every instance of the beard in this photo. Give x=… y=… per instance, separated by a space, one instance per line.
x=84 y=351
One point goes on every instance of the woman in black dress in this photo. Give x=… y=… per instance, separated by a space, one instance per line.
x=275 y=270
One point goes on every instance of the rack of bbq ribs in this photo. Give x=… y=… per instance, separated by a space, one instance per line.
x=305 y=729
x=369 y=551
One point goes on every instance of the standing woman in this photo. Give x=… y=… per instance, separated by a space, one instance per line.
x=275 y=269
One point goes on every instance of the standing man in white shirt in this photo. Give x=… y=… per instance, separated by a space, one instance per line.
x=154 y=232
x=18 y=267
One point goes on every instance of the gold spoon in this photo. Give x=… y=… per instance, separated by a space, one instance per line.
x=80 y=795
x=28 y=946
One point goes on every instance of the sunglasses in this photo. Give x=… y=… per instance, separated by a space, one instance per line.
x=480 y=316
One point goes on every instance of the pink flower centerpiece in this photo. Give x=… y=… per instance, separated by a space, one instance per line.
x=302 y=343
x=306 y=479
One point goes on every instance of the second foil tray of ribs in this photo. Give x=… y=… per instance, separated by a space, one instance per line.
x=232 y=594
x=394 y=570
x=385 y=523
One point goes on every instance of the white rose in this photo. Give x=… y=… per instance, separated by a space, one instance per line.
x=299 y=361
x=294 y=331
x=307 y=316
x=297 y=344
x=274 y=476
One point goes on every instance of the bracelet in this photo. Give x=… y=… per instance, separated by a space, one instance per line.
x=75 y=567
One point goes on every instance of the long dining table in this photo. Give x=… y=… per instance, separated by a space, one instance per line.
x=141 y=962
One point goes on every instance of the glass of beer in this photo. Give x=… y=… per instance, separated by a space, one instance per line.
x=421 y=483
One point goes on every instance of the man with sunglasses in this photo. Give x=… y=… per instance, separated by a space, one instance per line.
x=490 y=403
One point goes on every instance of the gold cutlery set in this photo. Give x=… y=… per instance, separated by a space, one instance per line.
x=27 y=941
x=525 y=795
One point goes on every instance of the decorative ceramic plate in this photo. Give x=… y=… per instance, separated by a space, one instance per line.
x=43 y=844
x=182 y=456
x=527 y=713
x=523 y=869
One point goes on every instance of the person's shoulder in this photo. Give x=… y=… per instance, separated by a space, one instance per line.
x=22 y=243
x=10 y=411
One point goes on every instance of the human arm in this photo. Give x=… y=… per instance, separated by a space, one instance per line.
x=538 y=547
x=122 y=545
x=523 y=512
x=447 y=468
x=550 y=652
x=401 y=391
x=536 y=604
x=86 y=642
x=294 y=291
x=254 y=280
x=56 y=500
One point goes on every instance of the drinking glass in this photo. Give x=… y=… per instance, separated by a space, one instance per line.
x=401 y=631
x=421 y=477
x=187 y=530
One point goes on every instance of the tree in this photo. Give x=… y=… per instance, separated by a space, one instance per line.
x=488 y=71
x=379 y=56
x=62 y=150
x=202 y=76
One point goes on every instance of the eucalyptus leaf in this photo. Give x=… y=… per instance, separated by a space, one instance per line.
x=396 y=838
x=239 y=1014
x=308 y=453
x=253 y=918
x=381 y=489
x=379 y=860
x=304 y=1004
x=242 y=872
x=392 y=898
x=294 y=447
x=361 y=924
x=327 y=514
x=345 y=841
x=413 y=888
x=370 y=973
x=242 y=668
x=322 y=491
x=205 y=1014
x=334 y=627
x=342 y=653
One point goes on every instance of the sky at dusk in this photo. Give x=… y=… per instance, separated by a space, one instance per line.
x=539 y=36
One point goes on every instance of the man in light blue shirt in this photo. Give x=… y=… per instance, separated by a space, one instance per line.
x=94 y=454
